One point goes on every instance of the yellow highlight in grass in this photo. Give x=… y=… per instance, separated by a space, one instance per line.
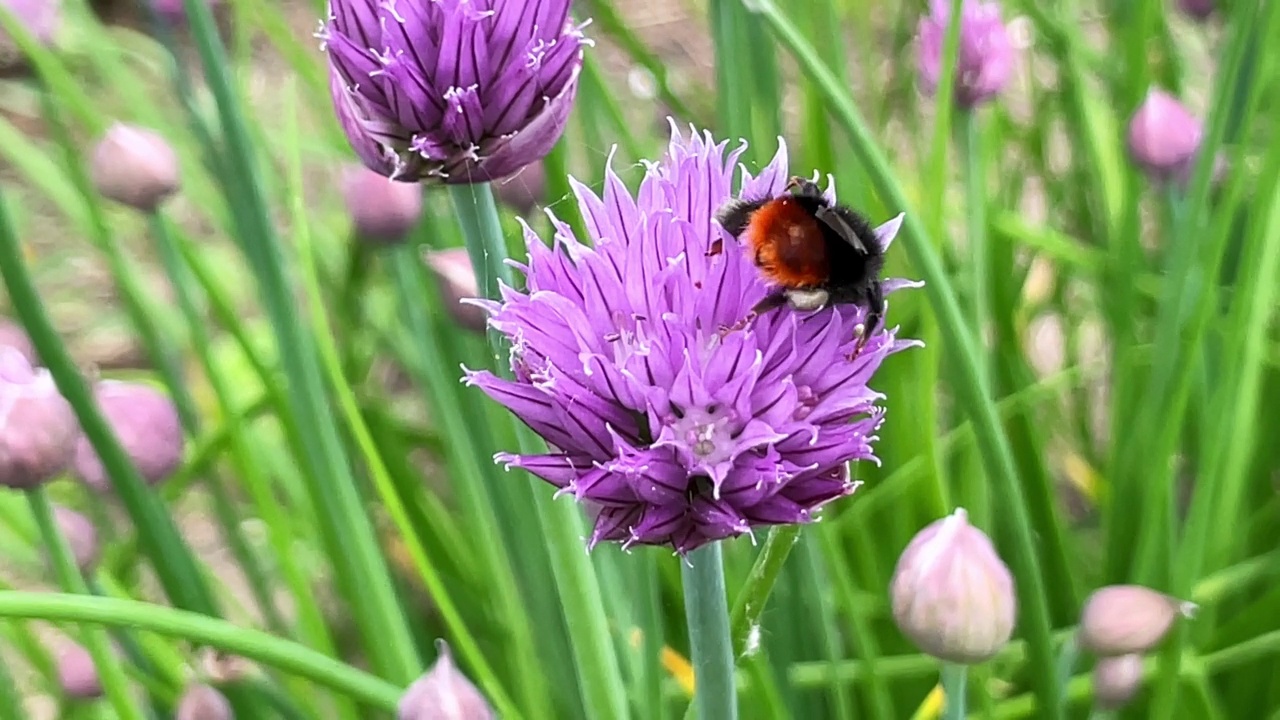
x=673 y=662
x=931 y=707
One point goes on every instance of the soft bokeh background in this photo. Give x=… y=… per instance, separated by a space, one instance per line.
x=1128 y=343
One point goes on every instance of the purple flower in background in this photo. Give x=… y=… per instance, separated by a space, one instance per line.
x=42 y=18
x=673 y=420
x=1164 y=137
x=456 y=91
x=985 y=58
x=175 y=11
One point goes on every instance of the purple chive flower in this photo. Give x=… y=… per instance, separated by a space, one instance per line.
x=1164 y=137
x=146 y=423
x=672 y=425
x=457 y=91
x=985 y=58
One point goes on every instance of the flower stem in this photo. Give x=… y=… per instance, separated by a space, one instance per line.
x=602 y=687
x=955 y=680
x=197 y=628
x=114 y=682
x=753 y=597
x=711 y=646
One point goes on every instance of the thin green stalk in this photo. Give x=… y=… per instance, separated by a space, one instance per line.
x=971 y=390
x=710 y=645
x=955 y=685
x=10 y=700
x=754 y=595
x=197 y=628
x=115 y=684
x=157 y=535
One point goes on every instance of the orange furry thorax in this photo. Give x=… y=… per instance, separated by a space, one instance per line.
x=788 y=244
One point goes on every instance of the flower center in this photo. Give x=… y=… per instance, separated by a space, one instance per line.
x=708 y=432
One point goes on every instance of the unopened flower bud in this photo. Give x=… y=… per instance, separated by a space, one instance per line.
x=383 y=211
x=81 y=535
x=456 y=280
x=146 y=422
x=984 y=60
x=525 y=190
x=41 y=18
x=443 y=693
x=1116 y=680
x=135 y=167
x=37 y=426
x=202 y=702
x=12 y=335
x=1198 y=9
x=1164 y=136
x=952 y=595
x=77 y=675
x=1125 y=619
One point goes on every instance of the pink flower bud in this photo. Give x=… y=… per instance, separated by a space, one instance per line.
x=1116 y=680
x=1198 y=9
x=77 y=675
x=12 y=335
x=525 y=190
x=985 y=57
x=202 y=702
x=146 y=422
x=951 y=593
x=1164 y=137
x=81 y=535
x=443 y=693
x=37 y=426
x=135 y=167
x=456 y=280
x=382 y=211
x=1125 y=619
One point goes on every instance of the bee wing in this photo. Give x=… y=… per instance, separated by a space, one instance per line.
x=834 y=220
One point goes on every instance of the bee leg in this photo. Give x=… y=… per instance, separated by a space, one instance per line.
x=875 y=307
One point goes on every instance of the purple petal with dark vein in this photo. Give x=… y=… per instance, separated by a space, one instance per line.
x=529 y=144
x=558 y=469
x=604 y=488
x=538 y=410
x=613 y=524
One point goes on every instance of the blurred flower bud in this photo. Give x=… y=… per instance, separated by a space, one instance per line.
x=222 y=668
x=985 y=57
x=443 y=693
x=1124 y=619
x=952 y=595
x=382 y=211
x=135 y=167
x=41 y=18
x=1198 y=9
x=37 y=426
x=81 y=535
x=12 y=335
x=1164 y=136
x=1116 y=680
x=145 y=421
x=456 y=280
x=77 y=675
x=202 y=702
x=525 y=191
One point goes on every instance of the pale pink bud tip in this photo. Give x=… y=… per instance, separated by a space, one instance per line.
x=135 y=167
x=81 y=535
x=37 y=426
x=146 y=422
x=202 y=702
x=1116 y=680
x=1198 y=9
x=951 y=593
x=1125 y=619
x=1164 y=136
x=456 y=280
x=986 y=55
x=383 y=211
x=77 y=675
x=443 y=693
x=12 y=335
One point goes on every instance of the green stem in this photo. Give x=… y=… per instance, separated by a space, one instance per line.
x=110 y=671
x=596 y=662
x=955 y=682
x=710 y=644
x=204 y=630
x=754 y=595
x=971 y=389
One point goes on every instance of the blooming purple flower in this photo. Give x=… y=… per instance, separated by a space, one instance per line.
x=673 y=420
x=985 y=57
x=457 y=91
